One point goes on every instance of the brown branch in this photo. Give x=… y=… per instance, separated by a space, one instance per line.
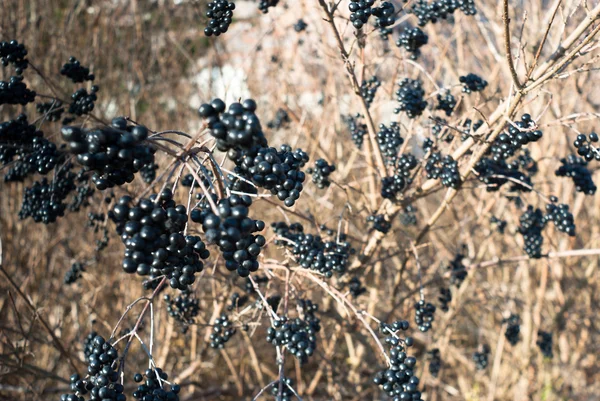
x=511 y=65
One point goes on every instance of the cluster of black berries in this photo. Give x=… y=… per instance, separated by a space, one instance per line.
x=445 y=298
x=481 y=357
x=298 y=336
x=320 y=173
x=427 y=146
x=113 y=153
x=74 y=273
x=222 y=332
x=357 y=129
x=41 y=156
x=389 y=141
x=518 y=135
x=52 y=110
x=469 y=127
x=82 y=101
x=399 y=379
x=16 y=136
x=544 y=341
x=576 y=168
x=368 y=89
x=394 y=185
x=148 y=172
x=424 y=315
x=408 y=216
x=154 y=246
x=311 y=252
x=379 y=223
x=88 y=345
x=410 y=97
x=435 y=362
x=101 y=383
x=496 y=173
x=355 y=287
x=184 y=308
x=360 y=11
x=446 y=102
x=531 y=225
x=232 y=230
x=444 y=167
x=561 y=217
x=300 y=25
x=220 y=13
x=281 y=119
x=286 y=393
x=458 y=271
x=513 y=328
x=412 y=39
x=76 y=72
x=264 y=5
x=500 y=224
x=440 y=9
x=153 y=386
x=44 y=202
x=586 y=148
x=15 y=91
x=83 y=193
x=386 y=17
x=237 y=301
x=275 y=170
x=13 y=52
x=472 y=83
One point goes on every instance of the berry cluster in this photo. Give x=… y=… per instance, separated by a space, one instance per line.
x=82 y=102
x=513 y=328
x=518 y=135
x=113 y=153
x=154 y=245
x=446 y=102
x=15 y=92
x=424 y=315
x=408 y=216
x=469 y=127
x=74 y=273
x=444 y=167
x=368 y=89
x=355 y=287
x=264 y=5
x=52 y=110
x=15 y=136
x=357 y=129
x=40 y=156
x=379 y=223
x=222 y=332
x=13 y=52
x=410 y=97
x=299 y=336
x=153 y=386
x=300 y=25
x=472 y=83
x=184 y=308
x=281 y=119
x=544 y=341
x=389 y=141
x=586 y=148
x=458 y=271
x=496 y=173
x=500 y=224
x=561 y=217
x=531 y=225
x=435 y=362
x=440 y=9
x=232 y=230
x=394 y=185
x=412 y=39
x=576 y=168
x=76 y=72
x=236 y=301
x=360 y=11
x=445 y=298
x=320 y=173
x=386 y=17
x=220 y=13
x=88 y=345
x=481 y=357
x=286 y=393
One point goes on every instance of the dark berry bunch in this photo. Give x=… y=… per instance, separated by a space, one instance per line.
x=544 y=341
x=525 y=162
x=399 y=379
x=394 y=185
x=368 y=89
x=155 y=387
x=518 y=135
x=311 y=252
x=15 y=91
x=412 y=39
x=114 y=154
x=88 y=345
x=320 y=173
x=83 y=193
x=355 y=287
x=481 y=357
x=410 y=97
x=357 y=129
x=531 y=225
x=445 y=168
x=52 y=110
x=389 y=140
x=15 y=137
x=500 y=224
x=435 y=362
x=76 y=72
x=386 y=17
x=222 y=332
x=82 y=101
x=278 y=171
x=236 y=301
x=285 y=393
x=264 y=5
x=148 y=172
x=298 y=336
x=576 y=168
x=232 y=230
x=13 y=52
x=154 y=246
x=458 y=271
x=427 y=146
x=446 y=102
x=74 y=273
x=101 y=382
x=41 y=156
x=424 y=315
x=440 y=9
x=281 y=119
x=495 y=173
x=220 y=13
x=561 y=217
x=308 y=309
x=300 y=25
x=445 y=298
x=360 y=11
x=184 y=308
x=472 y=83
x=408 y=216
x=586 y=148
x=469 y=127
x=513 y=328
x=379 y=223
x=237 y=129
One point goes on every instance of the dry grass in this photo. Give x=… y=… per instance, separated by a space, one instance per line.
x=154 y=65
